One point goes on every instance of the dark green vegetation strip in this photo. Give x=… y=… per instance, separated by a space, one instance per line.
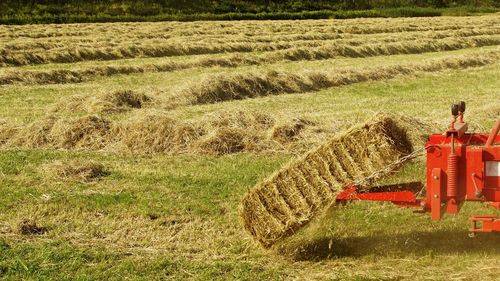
x=28 y=12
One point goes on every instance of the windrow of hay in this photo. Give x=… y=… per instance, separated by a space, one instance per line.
x=216 y=134
x=185 y=32
x=326 y=51
x=101 y=39
x=89 y=132
x=61 y=76
x=145 y=29
x=226 y=87
x=279 y=205
x=8 y=58
x=76 y=76
x=117 y=101
x=75 y=170
x=394 y=48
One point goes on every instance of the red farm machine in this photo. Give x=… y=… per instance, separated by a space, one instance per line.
x=461 y=167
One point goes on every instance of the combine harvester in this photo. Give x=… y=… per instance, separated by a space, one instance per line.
x=461 y=167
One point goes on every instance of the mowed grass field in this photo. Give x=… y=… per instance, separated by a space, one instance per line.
x=125 y=148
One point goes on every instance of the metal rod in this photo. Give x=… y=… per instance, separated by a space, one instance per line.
x=493 y=134
x=452 y=144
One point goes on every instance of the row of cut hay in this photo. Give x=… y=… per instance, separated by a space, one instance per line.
x=67 y=43
x=75 y=76
x=461 y=33
x=290 y=198
x=9 y=58
x=36 y=35
x=395 y=48
x=59 y=76
x=294 y=54
x=250 y=28
x=225 y=87
x=117 y=101
x=431 y=25
x=345 y=39
x=224 y=133
x=101 y=40
x=124 y=52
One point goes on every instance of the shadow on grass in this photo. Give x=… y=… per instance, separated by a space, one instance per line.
x=414 y=243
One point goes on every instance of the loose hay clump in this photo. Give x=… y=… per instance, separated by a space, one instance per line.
x=7 y=131
x=289 y=132
x=123 y=100
x=153 y=134
x=289 y=199
x=89 y=132
x=30 y=227
x=235 y=131
x=223 y=141
x=118 y=101
x=241 y=119
x=75 y=170
x=34 y=135
x=86 y=132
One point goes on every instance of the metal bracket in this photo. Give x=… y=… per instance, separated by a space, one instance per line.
x=436 y=190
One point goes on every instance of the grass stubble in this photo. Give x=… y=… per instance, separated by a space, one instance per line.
x=158 y=195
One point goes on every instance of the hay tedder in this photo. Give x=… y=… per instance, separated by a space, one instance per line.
x=460 y=167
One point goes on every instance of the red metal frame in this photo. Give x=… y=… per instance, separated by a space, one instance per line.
x=400 y=198
x=485 y=224
x=456 y=172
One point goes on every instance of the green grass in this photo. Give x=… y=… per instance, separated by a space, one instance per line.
x=374 y=13
x=176 y=217
x=121 y=227
x=136 y=188
x=32 y=101
x=16 y=19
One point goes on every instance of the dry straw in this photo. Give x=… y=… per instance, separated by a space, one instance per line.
x=324 y=51
x=222 y=133
x=290 y=198
x=156 y=133
x=328 y=51
x=117 y=101
x=225 y=87
x=61 y=76
x=7 y=131
x=9 y=58
x=75 y=170
x=89 y=132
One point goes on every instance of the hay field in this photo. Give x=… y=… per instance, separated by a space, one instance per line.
x=126 y=148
